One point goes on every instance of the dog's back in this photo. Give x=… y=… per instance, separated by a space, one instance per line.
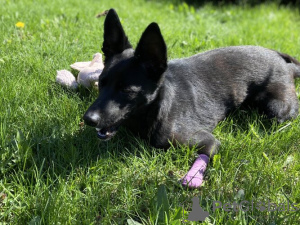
x=204 y=87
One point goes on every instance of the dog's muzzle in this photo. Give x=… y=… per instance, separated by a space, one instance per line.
x=104 y=133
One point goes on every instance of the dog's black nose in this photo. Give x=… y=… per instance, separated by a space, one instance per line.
x=91 y=119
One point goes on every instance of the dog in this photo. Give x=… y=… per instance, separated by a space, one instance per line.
x=182 y=100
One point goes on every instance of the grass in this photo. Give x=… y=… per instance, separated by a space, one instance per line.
x=55 y=171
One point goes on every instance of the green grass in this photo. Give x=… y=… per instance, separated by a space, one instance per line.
x=53 y=171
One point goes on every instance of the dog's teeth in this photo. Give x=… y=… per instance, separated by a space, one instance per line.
x=98 y=129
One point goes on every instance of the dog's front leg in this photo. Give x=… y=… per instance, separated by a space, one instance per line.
x=208 y=146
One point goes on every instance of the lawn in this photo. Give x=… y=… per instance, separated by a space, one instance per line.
x=54 y=170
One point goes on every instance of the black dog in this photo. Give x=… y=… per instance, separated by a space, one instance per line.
x=181 y=101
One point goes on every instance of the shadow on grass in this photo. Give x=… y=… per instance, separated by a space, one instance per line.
x=80 y=157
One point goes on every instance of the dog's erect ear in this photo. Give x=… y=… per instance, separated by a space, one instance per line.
x=115 y=39
x=152 y=51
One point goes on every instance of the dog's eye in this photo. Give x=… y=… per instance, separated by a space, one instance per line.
x=127 y=91
x=132 y=90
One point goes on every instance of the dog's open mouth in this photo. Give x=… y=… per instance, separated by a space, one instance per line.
x=107 y=132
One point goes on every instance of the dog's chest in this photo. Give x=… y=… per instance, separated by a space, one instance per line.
x=148 y=127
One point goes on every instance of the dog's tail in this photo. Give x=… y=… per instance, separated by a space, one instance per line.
x=295 y=62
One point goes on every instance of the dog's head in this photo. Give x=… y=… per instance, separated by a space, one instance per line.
x=130 y=79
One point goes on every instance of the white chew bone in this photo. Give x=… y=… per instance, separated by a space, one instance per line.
x=88 y=76
x=97 y=62
x=88 y=73
x=66 y=78
x=80 y=65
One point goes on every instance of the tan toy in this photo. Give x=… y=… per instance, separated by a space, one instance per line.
x=89 y=73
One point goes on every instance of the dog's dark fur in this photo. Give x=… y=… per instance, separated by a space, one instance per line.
x=183 y=100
